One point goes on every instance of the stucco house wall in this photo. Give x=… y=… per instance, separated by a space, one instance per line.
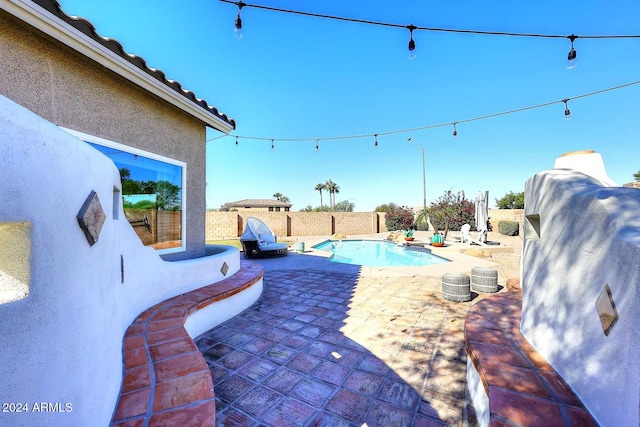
x=72 y=91
x=581 y=235
x=61 y=340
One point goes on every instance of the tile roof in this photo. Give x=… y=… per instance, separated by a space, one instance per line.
x=258 y=203
x=89 y=30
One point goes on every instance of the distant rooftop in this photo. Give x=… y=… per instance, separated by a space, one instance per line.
x=259 y=203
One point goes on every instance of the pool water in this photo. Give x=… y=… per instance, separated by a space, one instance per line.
x=377 y=253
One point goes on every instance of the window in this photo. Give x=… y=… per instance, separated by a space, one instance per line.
x=286 y=209
x=270 y=208
x=152 y=193
x=277 y=209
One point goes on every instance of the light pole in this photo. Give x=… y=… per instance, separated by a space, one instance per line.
x=424 y=179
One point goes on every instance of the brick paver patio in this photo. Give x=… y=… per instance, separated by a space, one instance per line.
x=332 y=349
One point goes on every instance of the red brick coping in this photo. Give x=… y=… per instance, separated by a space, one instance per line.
x=523 y=388
x=166 y=380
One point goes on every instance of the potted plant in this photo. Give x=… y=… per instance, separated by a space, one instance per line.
x=437 y=240
x=408 y=235
x=441 y=215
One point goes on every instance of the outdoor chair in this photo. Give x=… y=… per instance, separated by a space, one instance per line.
x=464 y=236
x=259 y=241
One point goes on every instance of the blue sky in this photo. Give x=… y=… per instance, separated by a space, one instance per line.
x=302 y=77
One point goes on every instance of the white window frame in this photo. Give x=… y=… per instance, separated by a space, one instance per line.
x=107 y=143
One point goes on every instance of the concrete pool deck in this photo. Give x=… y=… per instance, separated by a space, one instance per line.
x=330 y=344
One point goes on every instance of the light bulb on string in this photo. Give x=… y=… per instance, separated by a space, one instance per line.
x=375 y=144
x=567 y=112
x=272 y=146
x=238 y=27
x=236 y=140
x=412 y=43
x=455 y=131
x=317 y=144
x=573 y=55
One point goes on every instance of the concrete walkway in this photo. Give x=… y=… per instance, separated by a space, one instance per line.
x=329 y=344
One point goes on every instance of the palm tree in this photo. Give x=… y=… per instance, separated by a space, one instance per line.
x=320 y=187
x=336 y=190
x=277 y=196
x=332 y=188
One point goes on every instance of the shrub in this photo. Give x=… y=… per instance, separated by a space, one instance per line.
x=385 y=207
x=399 y=218
x=508 y=228
x=451 y=211
x=511 y=200
x=422 y=225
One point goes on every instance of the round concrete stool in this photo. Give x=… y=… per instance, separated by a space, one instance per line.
x=484 y=279
x=455 y=287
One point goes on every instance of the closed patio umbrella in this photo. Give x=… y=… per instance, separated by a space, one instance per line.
x=481 y=217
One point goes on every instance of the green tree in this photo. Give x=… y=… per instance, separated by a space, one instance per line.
x=344 y=206
x=385 y=207
x=511 y=200
x=636 y=176
x=142 y=204
x=167 y=196
x=320 y=187
x=125 y=174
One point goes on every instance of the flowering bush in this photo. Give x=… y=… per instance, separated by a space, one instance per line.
x=450 y=212
x=399 y=218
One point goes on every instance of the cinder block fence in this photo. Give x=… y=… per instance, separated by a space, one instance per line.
x=225 y=225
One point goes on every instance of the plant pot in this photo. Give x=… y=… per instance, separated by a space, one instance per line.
x=409 y=239
x=437 y=240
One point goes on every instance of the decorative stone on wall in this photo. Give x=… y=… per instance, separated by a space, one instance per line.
x=91 y=218
x=224 y=269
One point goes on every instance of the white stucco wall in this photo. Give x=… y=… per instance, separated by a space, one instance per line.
x=589 y=236
x=63 y=343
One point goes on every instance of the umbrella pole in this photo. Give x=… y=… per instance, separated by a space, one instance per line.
x=486 y=213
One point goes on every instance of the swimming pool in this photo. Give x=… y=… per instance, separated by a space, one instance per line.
x=377 y=253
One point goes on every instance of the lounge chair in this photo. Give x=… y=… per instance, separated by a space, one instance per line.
x=478 y=240
x=259 y=241
x=464 y=235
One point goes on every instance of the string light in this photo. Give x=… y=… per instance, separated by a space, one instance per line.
x=412 y=43
x=571 y=57
x=375 y=144
x=455 y=131
x=433 y=126
x=567 y=112
x=272 y=146
x=238 y=28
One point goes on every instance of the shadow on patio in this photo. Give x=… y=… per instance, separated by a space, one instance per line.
x=329 y=348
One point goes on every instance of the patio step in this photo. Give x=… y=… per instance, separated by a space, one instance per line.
x=166 y=380
x=520 y=386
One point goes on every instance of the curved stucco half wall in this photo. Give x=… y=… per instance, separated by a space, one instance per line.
x=62 y=344
x=579 y=237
